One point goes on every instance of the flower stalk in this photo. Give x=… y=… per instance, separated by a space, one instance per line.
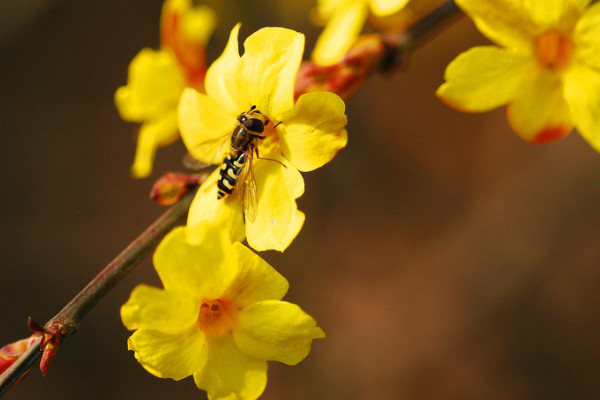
x=73 y=313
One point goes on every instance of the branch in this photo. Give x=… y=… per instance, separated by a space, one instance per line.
x=71 y=315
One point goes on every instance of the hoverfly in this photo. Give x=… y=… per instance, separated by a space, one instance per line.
x=236 y=175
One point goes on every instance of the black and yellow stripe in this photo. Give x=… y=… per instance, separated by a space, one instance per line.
x=230 y=173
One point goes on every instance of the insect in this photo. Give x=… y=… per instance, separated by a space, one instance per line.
x=236 y=175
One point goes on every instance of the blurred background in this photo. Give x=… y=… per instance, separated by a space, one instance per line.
x=444 y=257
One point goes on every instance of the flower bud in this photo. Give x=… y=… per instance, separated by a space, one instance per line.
x=11 y=352
x=172 y=186
x=347 y=77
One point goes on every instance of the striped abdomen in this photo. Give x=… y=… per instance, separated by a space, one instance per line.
x=230 y=173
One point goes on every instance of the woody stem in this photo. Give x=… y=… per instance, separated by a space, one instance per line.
x=74 y=312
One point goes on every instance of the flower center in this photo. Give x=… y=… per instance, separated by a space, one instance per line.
x=217 y=316
x=553 y=50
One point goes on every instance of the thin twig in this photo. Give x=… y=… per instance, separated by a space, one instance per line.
x=72 y=314
x=424 y=25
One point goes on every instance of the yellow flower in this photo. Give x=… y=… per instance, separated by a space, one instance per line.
x=156 y=78
x=218 y=318
x=299 y=137
x=547 y=70
x=345 y=20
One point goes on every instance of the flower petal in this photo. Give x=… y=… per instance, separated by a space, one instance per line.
x=340 y=33
x=582 y=90
x=160 y=310
x=153 y=134
x=255 y=280
x=315 y=130
x=278 y=220
x=231 y=374
x=220 y=84
x=276 y=330
x=208 y=213
x=201 y=270
x=541 y=113
x=204 y=126
x=484 y=77
x=174 y=356
x=505 y=22
x=581 y=5
x=548 y=13
x=154 y=85
x=267 y=70
x=587 y=37
x=382 y=8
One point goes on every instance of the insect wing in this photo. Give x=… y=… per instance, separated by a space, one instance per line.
x=215 y=147
x=246 y=189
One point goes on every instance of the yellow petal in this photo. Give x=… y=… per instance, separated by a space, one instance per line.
x=315 y=130
x=340 y=33
x=582 y=90
x=199 y=23
x=581 y=5
x=200 y=271
x=277 y=219
x=255 y=280
x=267 y=70
x=326 y=8
x=207 y=212
x=154 y=85
x=382 y=8
x=230 y=374
x=153 y=134
x=505 y=22
x=547 y=13
x=220 y=77
x=204 y=125
x=276 y=330
x=174 y=356
x=587 y=37
x=483 y=78
x=159 y=310
x=541 y=113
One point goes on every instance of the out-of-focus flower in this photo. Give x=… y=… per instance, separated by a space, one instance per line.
x=414 y=11
x=156 y=78
x=547 y=70
x=300 y=136
x=345 y=20
x=219 y=317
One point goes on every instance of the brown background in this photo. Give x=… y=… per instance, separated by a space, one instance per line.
x=444 y=257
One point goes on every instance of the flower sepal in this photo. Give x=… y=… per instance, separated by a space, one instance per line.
x=52 y=337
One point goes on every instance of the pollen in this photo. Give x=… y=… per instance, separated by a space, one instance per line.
x=217 y=316
x=553 y=50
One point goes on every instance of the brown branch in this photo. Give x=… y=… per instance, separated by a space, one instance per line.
x=71 y=315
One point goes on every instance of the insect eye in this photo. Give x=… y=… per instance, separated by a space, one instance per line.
x=254 y=124
x=242 y=118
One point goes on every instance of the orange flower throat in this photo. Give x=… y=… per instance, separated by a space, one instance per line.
x=217 y=316
x=553 y=50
